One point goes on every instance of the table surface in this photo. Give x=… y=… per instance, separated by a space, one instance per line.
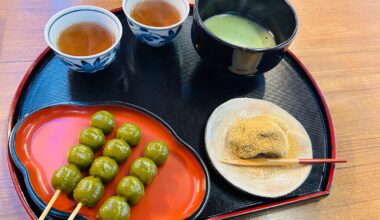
x=338 y=41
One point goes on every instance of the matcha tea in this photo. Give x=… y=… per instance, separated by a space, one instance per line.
x=240 y=31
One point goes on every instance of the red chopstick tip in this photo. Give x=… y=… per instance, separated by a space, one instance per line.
x=321 y=160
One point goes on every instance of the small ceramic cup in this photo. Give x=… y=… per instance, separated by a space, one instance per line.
x=67 y=17
x=156 y=36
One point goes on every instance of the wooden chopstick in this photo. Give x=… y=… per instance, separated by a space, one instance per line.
x=280 y=162
x=323 y=160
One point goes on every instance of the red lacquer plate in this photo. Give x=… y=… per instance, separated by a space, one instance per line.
x=40 y=143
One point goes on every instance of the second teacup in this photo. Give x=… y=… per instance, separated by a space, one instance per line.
x=155 y=35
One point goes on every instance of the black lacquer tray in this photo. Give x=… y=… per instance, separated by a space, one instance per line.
x=176 y=85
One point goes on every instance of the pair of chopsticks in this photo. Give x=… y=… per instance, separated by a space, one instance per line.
x=280 y=162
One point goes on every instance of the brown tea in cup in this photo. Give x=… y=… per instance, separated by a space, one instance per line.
x=157 y=13
x=85 y=39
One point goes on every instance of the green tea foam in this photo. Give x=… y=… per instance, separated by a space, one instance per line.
x=240 y=31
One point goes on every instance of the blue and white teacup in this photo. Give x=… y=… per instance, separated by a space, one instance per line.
x=67 y=17
x=156 y=36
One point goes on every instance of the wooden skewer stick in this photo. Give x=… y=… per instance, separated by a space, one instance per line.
x=280 y=162
x=49 y=205
x=75 y=212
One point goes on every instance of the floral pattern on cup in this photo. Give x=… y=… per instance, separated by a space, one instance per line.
x=154 y=37
x=90 y=65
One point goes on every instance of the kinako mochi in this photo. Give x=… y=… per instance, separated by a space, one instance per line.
x=262 y=135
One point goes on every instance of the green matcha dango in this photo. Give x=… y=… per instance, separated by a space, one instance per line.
x=65 y=178
x=117 y=149
x=103 y=120
x=131 y=188
x=157 y=151
x=80 y=155
x=130 y=133
x=144 y=169
x=89 y=191
x=105 y=168
x=92 y=137
x=114 y=208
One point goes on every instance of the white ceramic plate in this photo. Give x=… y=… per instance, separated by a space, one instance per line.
x=268 y=182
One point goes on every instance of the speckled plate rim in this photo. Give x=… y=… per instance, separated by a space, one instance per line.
x=54 y=212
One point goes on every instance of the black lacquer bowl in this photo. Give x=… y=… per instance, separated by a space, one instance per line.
x=278 y=16
x=176 y=85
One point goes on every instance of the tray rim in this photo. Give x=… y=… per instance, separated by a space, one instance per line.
x=331 y=141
